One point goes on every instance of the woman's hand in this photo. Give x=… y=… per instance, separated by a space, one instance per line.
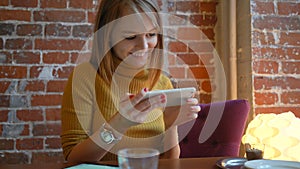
x=135 y=108
x=177 y=115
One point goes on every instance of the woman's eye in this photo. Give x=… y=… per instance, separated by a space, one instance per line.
x=130 y=37
x=152 y=34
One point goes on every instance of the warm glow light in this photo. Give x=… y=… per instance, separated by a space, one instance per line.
x=280 y=134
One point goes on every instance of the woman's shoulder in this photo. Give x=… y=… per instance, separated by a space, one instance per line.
x=85 y=67
x=85 y=72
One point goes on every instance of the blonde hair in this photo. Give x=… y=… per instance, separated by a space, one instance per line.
x=102 y=55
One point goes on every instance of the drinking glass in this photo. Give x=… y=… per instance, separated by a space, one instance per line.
x=138 y=158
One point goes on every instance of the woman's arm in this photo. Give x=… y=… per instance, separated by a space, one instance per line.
x=171 y=139
x=90 y=150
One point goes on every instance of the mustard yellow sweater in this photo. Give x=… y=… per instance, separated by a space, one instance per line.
x=88 y=101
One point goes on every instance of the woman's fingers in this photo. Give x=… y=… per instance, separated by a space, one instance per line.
x=135 y=107
x=140 y=96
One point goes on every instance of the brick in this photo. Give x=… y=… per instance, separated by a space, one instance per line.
x=177 y=47
x=277 y=22
x=14 y=130
x=188 y=6
x=6 y=144
x=286 y=53
x=177 y=72
x=31 y=86
x=78 y=58
x=171 y=59
x=177 y=19
x=203 y=20
x=29 y=29
x=278 y=110
x=87 y=4
x=265 y=67
x=56 y=58
x=53 y=4
x=46 y=100
x=53 y=114
x=46 y=129
x=189 y=33
x=30 y=115
x=171 y=6
x=29 y=144
x=205 y=98
x=198 y=73
x=24 y=3
x=53 y=143
x=291 y=97
x=18 y=44
x=82 y=30
x=188 y=59
x=59 y=16
x=207 y=59
x=293 y=8
x=56 y=85
x=22 y=57
x=201 y=47
x=208 y=33
x=26 y=130
x=18 y=101
x=291 y=68
x=4 y=86
x=6 y=28
x=92 y=17
x=262 y=7
x=207 y=86
x=19 y=15
x=16 y=72
x=59 y=44
x=4 y=100
x=6 y=57
x=15 y=158
x=4 y=2
x=208 y=7
x=41 y=72
x=290 y=38
x=45 y=158
x=63 y=72
x=265 y=98
x=260 y=38
x=3 y=116
x=57 y=30
x=269 y=83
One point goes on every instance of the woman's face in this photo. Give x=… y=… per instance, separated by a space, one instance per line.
x=134 y=39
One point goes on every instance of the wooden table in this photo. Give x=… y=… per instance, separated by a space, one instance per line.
x=185 y=163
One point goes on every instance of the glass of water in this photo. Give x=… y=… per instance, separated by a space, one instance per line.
x=138 y=158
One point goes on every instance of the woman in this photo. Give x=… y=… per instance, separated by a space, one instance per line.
x=103 y=109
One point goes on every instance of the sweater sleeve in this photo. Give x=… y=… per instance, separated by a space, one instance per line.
x=77 y=109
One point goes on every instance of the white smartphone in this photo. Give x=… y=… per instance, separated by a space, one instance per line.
x=175 y=97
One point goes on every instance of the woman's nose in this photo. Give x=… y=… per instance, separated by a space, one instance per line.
x=143 y=43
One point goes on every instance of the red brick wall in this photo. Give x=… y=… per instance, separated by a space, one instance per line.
x=276 y=56
x=39 y=45
x=39 y=42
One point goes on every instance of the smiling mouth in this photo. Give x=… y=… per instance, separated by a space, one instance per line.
x=138 y=54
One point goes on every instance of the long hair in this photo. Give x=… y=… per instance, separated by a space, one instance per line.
x=102 y=55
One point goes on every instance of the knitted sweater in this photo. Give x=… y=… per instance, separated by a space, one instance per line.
x=88 y=102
